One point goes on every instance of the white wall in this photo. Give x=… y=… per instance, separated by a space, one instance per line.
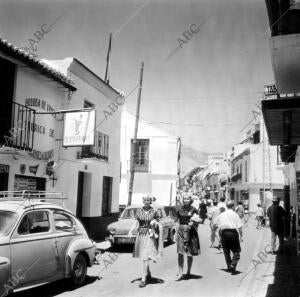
x=163 y=155
x=69 y=165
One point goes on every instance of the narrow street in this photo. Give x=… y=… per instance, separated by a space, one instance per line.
x=121 y=277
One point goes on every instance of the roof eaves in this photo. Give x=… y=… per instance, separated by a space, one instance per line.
x=35 y=63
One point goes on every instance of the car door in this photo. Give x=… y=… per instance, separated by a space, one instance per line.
x=66 y=230
x=33 y=255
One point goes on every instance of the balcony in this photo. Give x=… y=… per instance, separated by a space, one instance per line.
x=282 y=119
x=98 y=151
x=21 y=133
x=236 y=177
x=89 y=154
x=140 y=165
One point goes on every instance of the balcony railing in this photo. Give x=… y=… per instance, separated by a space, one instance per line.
x=21 y=133
x=140 y=165
x=236 y=177
x=89 y=154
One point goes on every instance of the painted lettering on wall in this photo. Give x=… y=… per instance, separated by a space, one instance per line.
x=36 y=102
x=42 y=155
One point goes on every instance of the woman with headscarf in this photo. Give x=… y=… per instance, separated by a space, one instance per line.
x=187 y=235
x=149 y=243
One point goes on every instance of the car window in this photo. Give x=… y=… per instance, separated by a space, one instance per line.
x=129 y=213
x=34 y=222
x=7 y=221
x=63 y=221
x=161 y=213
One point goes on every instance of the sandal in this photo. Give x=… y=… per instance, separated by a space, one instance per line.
x=142 y=284
x=179 y=278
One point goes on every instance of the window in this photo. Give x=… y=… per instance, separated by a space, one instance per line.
x=99 y=150
x=7 y=221
x=34 y=222
x=141 y=156
x=246 y=171
x=62 y=221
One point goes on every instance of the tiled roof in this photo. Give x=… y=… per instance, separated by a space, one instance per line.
x=35 y=63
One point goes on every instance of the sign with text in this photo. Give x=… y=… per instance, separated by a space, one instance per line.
x=79 y=128
x=270 y=90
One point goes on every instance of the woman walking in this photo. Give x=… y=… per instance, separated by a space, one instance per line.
x=187 y=235
x=148 y=244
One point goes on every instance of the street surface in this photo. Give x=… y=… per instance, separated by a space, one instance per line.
x=120 y=274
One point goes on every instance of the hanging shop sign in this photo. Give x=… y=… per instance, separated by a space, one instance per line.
x=79 y=128
x=270 y=90
x=33 y=169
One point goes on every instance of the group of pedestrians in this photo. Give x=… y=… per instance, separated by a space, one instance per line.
x=148 y=247
x=226 y=223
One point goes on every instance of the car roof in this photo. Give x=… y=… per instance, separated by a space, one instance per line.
x=19 y=206
x=140 y=206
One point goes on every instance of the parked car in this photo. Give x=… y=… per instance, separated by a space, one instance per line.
x=39 y=243
x=118 y=231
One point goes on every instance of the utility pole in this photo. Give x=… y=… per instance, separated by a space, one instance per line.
x=106 y=78
x=133 y=145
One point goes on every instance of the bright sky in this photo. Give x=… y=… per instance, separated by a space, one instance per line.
x=204 y=93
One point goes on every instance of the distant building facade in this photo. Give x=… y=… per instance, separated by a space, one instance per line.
x=156 y=162
x=255 y=169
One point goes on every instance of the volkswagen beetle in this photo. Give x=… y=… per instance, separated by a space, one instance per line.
x=41 y=242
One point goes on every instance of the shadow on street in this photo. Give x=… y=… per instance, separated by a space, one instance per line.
x=286 y=273
x=53 y=289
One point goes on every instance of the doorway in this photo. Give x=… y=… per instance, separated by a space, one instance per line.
x=7 y=77
x=4 y=173
x=107 y=195
x=83 y=194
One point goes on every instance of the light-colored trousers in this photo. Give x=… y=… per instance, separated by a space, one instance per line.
x=273 y=241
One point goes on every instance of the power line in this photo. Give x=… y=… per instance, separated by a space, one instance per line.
x=203 y=97
x=193 y=125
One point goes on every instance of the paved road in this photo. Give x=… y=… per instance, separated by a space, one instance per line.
x=120 y=276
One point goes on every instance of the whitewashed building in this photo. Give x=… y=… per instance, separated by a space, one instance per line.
x=156 y=162
x=89 y=176
x=255 y=169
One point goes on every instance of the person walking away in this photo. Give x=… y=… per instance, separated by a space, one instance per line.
x=229 y=224
x=222 y=203
x=213 y=213
x=276 y=215
x=187 y=239
x=202 y=211
x=241 y=213
x=148 y=244
x=259 y=216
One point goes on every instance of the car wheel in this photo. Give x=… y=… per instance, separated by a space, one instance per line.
x=79 y=270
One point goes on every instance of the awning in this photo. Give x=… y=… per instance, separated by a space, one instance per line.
x=282 y=119
x=288 y=153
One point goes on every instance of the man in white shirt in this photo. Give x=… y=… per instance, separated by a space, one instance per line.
x=222 y=204
x=229 y=224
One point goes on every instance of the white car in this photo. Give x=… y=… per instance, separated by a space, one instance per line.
x=118 y=231
x=40 y=243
